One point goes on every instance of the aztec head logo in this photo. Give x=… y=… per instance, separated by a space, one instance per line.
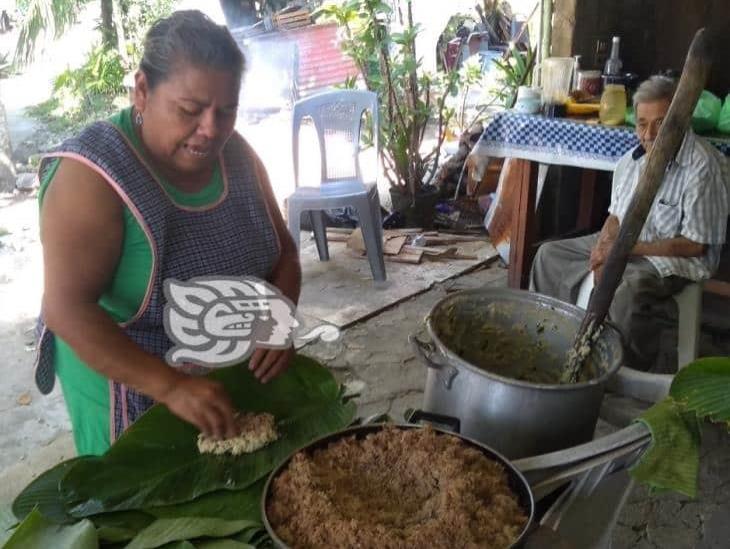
x=219 y=321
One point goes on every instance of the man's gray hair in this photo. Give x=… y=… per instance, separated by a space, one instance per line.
x=656 y=88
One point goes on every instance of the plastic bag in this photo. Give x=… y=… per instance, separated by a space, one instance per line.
x=630 y=116
x=707 y=112
x=724 y=124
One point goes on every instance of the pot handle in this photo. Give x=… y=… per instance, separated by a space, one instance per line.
x=425 y=351
x=453 y=423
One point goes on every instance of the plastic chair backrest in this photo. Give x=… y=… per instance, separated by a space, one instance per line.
x=337 y=116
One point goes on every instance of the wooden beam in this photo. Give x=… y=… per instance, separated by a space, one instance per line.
x=546 y=29
x=564 y=28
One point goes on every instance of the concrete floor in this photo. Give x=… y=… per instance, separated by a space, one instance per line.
x=375 y=357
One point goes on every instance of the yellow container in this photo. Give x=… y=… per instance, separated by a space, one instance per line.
x=613 y=105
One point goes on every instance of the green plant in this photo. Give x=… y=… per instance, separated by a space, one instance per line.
x=95 y=90
x=137 y=17
x=43 y=17
x=409 y=97
x=101 y=74
x=66 y=114
x=122 y=25
x=516 y=70
x=470 y=74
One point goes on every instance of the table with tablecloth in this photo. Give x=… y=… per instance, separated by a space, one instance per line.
x=536 y=140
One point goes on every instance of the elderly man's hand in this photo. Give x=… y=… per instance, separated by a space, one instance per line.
x=597 y=274
x=599 y=253
x=597 y=258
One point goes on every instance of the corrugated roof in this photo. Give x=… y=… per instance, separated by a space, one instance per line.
x=321 y=61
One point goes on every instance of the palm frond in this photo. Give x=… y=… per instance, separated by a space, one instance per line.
x=43 y=19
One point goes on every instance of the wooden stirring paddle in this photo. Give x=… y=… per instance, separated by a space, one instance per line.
x=666 y=146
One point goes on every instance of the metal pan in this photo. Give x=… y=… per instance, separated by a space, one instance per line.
x=516 y=481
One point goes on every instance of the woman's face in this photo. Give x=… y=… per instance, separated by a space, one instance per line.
x=187 y=118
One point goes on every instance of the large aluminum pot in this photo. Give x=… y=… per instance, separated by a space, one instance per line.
x=516 y=418
x=516 y=481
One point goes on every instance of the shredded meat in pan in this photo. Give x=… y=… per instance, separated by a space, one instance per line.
x=395 y=489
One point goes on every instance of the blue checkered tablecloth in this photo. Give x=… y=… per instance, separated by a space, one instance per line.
x=560 y=141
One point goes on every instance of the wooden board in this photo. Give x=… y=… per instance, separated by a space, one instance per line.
x=439 y=253
x=393 y=245
x=341 y=291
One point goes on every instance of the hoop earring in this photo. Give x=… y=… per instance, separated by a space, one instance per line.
x=138 y=118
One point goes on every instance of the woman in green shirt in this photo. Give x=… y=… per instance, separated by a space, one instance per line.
x=163 y=190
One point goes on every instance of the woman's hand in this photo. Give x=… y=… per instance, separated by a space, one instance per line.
x=202 y=402
x=266 y=364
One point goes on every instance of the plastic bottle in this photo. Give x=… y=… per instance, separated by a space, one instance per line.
x=613 y=105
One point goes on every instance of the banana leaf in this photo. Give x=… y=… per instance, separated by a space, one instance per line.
x=258 y=537
x=44 y=494
x=223 y=544
x=120 y=526
x=37 y=532
x=123 y=526
x=226 y=504
x=673 y=458
x=7 y=522
x=166 y=530
x=157 y=463
x=703 y=387
x=698 y=392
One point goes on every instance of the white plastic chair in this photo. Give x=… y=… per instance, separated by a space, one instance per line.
x=337 y=117
x=689 y=306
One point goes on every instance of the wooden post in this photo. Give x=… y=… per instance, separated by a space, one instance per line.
x=563 y=28
x=7 y=167
x=546 y=31
x=522 y=236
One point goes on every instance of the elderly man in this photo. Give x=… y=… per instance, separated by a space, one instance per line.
x=680 y=242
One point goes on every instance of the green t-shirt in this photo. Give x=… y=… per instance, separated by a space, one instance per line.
x=85 y=391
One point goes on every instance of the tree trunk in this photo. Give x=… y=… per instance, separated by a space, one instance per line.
x=7 y=169
x=108 y=33
x=119 y=26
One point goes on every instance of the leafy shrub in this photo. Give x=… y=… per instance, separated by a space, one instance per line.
x=137 y=17
x=101 y=74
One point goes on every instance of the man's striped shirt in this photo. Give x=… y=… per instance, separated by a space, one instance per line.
x=691 y=202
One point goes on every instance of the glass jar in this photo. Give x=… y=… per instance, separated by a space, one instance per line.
x=590 y=82
x=613 y=105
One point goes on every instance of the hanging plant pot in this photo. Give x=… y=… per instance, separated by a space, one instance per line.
x=419 y=212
